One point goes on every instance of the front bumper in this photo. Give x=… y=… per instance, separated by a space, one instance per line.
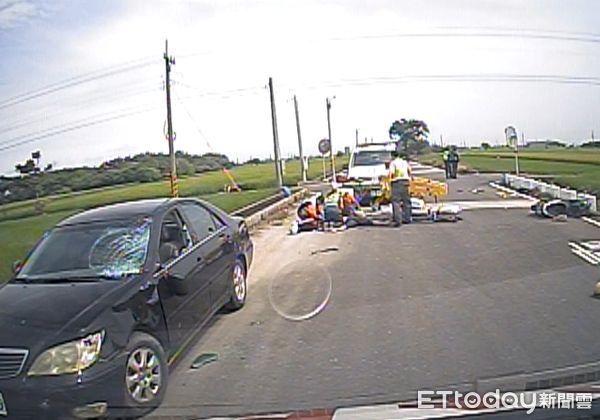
x=55 y=397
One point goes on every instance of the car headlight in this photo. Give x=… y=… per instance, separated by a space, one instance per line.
x=71 y=357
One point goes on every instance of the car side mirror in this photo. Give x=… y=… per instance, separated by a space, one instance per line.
x=16 y=266
x=177 y=284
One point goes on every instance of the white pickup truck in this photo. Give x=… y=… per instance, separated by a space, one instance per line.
x=367 y=164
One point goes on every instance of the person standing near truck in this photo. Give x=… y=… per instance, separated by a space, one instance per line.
x=453 y=159
x=400 y=175
x=445 y=154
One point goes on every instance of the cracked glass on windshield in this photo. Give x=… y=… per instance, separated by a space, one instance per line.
x=107 y=250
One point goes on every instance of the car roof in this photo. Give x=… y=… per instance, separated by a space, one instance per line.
x=118 y=211
x=375 y=148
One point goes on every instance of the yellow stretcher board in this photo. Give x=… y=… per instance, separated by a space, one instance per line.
x=419 y=187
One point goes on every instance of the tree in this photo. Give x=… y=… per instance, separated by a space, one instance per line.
x=27 y=168
x=486 y=145
x=407 y=132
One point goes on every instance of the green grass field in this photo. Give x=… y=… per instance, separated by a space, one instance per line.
x=576 y=168
x=20 y=227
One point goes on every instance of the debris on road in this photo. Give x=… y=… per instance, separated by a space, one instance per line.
x=560 y=218
x=204 y=359
x=325 y=250
x=477 y=190
x=596 y=293
x=255 y=323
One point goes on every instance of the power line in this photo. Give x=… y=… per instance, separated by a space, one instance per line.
x=120 y=93
x=68 y=124
x=73 y=128
x=195 y=123
x=68 y=83
x=461 y=78
x=570 y=37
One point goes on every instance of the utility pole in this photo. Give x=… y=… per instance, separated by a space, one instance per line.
x=302 y=166
x=328 y=103
x=275 y=136
x=173 y=173
x=522 y=139
x=441 y=141
x=357 y=137
x=592 y=135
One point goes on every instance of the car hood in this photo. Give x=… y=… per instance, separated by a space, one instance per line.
x=35 y=315
x=367 y=172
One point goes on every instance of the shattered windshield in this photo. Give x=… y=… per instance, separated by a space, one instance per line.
x=106 y=250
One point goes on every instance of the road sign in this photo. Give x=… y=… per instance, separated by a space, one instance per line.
x=511 y=135
x=324 y=146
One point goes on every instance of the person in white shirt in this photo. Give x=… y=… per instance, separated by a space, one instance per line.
x=400 y=176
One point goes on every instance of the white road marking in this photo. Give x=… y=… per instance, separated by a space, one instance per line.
x=591 y=221
x=585 y=254
x=511 y=191
x=491 y=204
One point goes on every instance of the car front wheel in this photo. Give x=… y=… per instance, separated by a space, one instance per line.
x=146 y=375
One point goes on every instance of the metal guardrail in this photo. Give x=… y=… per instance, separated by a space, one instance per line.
x=277 y=203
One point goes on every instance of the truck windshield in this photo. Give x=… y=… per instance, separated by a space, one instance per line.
x=372 y=158
x=96 y=250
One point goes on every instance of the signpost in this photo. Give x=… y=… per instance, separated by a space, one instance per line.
x=512 y=139
x=324 y=148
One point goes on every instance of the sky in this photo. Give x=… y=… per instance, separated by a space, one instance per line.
x=83 y=81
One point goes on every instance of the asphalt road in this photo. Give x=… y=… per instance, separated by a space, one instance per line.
x=426 y=306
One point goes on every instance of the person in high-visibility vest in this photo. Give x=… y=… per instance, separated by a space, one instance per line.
x=400 y=175
x=445 y=156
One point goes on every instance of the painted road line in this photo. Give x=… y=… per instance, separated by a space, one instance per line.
x=511 y=191
x=591 y=221
x=585 y=254
x=491 y=204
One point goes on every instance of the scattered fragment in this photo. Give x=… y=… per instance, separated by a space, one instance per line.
x=560 y=218
x=325 y=250
x=255 y=323
x=204 y=359
x=597 y=290
x=477 y=190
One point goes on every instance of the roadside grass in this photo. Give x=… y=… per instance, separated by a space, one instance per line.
x=576 y=169
x=18 y=236
x=20 y=227
x=250 y=177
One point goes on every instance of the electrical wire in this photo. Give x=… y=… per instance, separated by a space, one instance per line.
x=71 y=82
x=117 y=94
x=195 y=123
x=73 y=128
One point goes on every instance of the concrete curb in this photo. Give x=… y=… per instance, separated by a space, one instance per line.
x=255 y=219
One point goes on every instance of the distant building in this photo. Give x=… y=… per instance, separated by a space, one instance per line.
x=544 y=144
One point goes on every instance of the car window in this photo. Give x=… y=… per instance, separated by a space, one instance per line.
x=175 y=237
x=372 y=158
x=203 y=222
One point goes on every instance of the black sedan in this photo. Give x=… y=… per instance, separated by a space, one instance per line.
x=107 y=300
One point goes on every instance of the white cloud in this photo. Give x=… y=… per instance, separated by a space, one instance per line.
x=15 y=12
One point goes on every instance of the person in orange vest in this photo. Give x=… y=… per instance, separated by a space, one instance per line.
x=352 y=212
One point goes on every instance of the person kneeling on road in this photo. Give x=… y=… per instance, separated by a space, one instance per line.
x=400 y=176
x=351 y=211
